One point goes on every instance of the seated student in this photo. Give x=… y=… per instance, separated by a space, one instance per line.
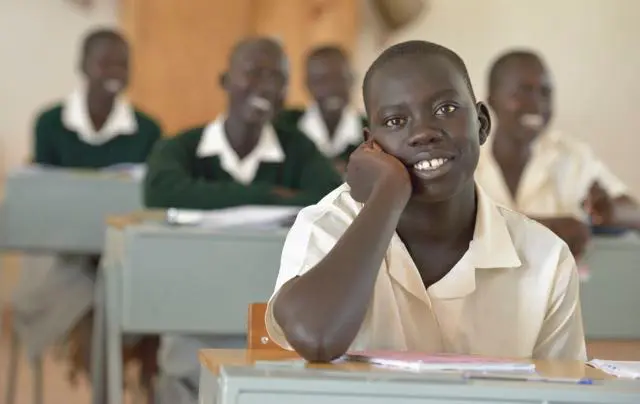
x=240 y=158
x=540 y=172
x=330 y=122
x=93 y=128
x=243 y=157
x=412 y=254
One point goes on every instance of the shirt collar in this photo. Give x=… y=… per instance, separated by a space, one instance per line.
x=348 y=131
x=542 y=166
x=75 y=116
x=491 y=248
x=214 y=143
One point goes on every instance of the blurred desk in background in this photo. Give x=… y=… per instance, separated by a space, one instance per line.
x=63 y=211
x=160 y=278
x=610 y=297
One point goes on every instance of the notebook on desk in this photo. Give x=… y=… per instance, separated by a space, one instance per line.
x=241 y=216
x=622 y=369
x=440 y=362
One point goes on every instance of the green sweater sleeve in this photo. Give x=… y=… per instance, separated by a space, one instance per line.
x=150 y=129
x=170 y=182
x=317 y=175
x=44 y=146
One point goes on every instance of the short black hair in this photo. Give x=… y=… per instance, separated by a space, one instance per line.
x=326 y=50
x=503 y=62
x=96 y=36
x=252 y=42
x=416 y=48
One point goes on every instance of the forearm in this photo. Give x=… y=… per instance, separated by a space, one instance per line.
x=188 y=193
x=321 y=311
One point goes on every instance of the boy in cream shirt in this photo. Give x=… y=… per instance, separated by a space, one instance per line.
x=542 y=173
x=411 y=254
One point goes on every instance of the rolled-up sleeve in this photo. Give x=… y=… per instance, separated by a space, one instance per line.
x=314 y=233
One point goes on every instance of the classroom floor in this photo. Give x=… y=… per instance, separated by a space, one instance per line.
x=57 y=389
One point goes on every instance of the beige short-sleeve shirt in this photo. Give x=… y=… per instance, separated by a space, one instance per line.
x=556 y=180
x=514 y=293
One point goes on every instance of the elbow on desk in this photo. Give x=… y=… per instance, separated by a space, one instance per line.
x=309 y=338
x=316 y=348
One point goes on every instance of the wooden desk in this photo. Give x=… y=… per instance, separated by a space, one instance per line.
x=233 y=368
x=610 y=297
x=158 y=278
x=63 y=211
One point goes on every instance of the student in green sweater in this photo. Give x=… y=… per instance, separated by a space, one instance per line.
x=95 y=126
x=330 y=122
x=240 y=158
x=244 y=156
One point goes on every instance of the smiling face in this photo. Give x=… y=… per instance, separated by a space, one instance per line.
x=256 y=81
x=522 y=98
x=106 y=65
x=421 y=111
x=329 y=80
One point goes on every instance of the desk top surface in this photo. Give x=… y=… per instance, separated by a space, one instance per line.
x=212 y=359
x=122 y=221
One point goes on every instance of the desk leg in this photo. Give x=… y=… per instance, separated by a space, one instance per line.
x=98 y=342
x=114 y=337
x=208 y=389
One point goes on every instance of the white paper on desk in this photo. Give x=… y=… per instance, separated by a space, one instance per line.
x=622 y=369
x=242 y=216
x=135 y=171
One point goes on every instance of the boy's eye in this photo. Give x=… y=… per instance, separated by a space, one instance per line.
x=394 y=122
x=446 y=109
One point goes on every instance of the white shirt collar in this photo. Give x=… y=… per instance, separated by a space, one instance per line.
x=348 y=131
x=75 y=117
x=551 y=167
x=214 y=143
x=491 y=247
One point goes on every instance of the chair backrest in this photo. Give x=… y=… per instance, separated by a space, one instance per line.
x=257 y=335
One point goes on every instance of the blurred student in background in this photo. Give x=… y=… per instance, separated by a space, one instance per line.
x=94 y=127
x=330 y=121
x=243 y=157
x=540 y=172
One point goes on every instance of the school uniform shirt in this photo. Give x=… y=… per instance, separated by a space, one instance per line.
x=200 y=170
x=348 y=132
x=514 y=293
x=555 y=181
x=65 y=136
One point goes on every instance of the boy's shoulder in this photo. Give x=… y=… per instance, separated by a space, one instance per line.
x=336 y=207
x=565 y=145
x=146 y=120
x=294 y=143
x=51 y=113
x=290 y=116
x=186 y=142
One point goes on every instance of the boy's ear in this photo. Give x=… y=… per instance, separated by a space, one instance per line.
x=223 y=80
x=484 y=119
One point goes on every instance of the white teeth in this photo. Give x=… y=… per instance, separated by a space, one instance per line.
x=430 y=164
x=113 y=85
x=260 y=103
x=532 y=121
